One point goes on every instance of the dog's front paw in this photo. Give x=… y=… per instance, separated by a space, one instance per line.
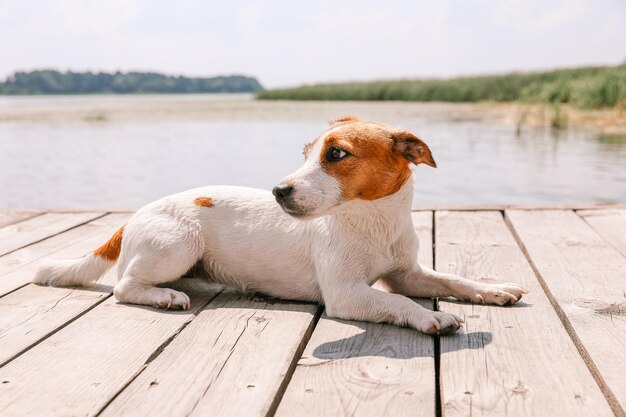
x=173 y=300
x=500 y=294
x=438 y=322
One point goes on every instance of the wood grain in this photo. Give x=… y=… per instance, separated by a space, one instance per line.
x=19 y=267
x=8 y=217
x=508 y=361
x=610 y=224
x=356 y=368
x=41 y=227
x=31 y=313
x=70 y=351
x=585 y=277
x=79 y=369
x=230 y=361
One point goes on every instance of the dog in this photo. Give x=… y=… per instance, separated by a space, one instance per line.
x=332 y=229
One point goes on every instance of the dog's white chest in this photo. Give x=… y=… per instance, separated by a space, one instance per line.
x=381 y=261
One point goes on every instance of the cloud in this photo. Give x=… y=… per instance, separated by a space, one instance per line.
x=287 y=43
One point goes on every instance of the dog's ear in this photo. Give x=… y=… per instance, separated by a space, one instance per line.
x=412 y=148
x=344 y=119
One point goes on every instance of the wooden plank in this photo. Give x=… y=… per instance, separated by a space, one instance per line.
x=8 y=217
x=18 y=267
x=79 y=369
x=38 y=228
x=230 y=361
x=610 y=224
x=356 y=368
x=502 y=207
x=584 y=277
x=33 y=312
x=513 y=361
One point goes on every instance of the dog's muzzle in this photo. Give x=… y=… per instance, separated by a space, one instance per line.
x=284 y=197
x=282 y=192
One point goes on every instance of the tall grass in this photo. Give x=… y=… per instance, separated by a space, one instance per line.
x=588 y=87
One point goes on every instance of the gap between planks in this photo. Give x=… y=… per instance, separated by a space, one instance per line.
x=294 y=362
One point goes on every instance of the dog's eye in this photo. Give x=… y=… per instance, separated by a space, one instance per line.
x=335 y=154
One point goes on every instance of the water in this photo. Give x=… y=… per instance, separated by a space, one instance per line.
x=91 y=154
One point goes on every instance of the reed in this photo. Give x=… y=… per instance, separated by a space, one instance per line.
x=588 y=87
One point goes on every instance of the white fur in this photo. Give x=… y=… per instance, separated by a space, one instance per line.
x=315 y=191
x=245 y=240
x=79 y=271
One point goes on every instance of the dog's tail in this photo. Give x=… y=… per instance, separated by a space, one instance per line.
x=81 y=271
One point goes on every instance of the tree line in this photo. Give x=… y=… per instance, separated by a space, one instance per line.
x=55 y=82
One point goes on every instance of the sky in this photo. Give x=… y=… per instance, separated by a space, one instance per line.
x=287 y=43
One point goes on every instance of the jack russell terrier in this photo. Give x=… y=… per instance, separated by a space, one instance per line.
x=342 y=223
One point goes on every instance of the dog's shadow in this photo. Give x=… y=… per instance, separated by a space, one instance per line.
x=360 y=339
x=386 y=340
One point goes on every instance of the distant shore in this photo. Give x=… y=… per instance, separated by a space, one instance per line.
x=242 y=107
x=52 y=82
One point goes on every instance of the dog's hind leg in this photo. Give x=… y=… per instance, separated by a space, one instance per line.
x=157 y=258
x=139 y=281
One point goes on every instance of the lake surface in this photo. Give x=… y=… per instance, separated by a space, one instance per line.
x=125 y=151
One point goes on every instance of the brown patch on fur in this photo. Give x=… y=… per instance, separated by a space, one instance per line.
x=377 y=165
x=111 y=250
x=372 y=170
x=203 y=202
x=344 y=119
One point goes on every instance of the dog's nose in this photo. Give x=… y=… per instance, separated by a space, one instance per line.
x=282 y=192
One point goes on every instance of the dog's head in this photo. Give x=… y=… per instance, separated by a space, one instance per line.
x=352 y=159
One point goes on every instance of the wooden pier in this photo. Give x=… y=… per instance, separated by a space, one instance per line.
x=561 y=351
